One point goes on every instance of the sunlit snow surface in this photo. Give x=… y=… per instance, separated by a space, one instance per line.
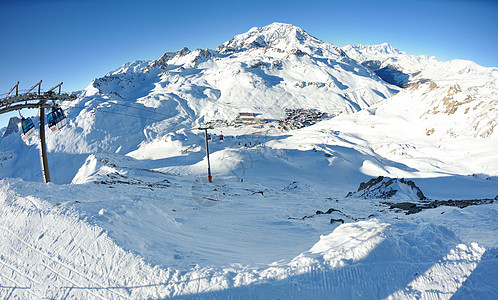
x=131 y=215
x=145 y=232
x=121 y=243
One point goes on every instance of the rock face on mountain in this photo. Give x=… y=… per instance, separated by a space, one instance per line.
x=459 y=97
x=386 y=188
x=12 y=127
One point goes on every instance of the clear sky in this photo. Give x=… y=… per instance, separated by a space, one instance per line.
x=75 y=41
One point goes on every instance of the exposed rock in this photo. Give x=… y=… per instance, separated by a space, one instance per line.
x=13 y=126
x=385 y=188
x=319 y=212
x=336 y=220
x=162 y=62
x=328 y=212
x=413 y=208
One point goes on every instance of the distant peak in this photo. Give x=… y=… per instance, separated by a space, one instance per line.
x=283 y=36
x=169 y=55
x=12 y=127
x=274 y=26
x=275 y=34
x=384 y=49
x=278 y=25
x=162 y=62
x=285 y=31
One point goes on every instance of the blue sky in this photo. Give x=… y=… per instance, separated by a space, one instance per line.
x=75 y=41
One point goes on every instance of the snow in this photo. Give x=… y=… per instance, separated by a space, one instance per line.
x=130 y=213
x=64 y=254
x=385 y=55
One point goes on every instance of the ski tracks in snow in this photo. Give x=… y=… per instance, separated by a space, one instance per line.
x=48 y=266
x=48 y=252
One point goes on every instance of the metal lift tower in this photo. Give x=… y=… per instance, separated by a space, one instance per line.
x=35 y=100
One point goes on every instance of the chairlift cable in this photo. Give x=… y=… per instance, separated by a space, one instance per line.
x=117 y=113
x=139 y=108
x=121 y=104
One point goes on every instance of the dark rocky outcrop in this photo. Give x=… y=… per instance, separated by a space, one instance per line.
x=385 y=188
x=13 y=126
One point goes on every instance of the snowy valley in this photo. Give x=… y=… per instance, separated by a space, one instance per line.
x=338 y=172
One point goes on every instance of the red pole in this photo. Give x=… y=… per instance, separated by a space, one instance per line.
x=210 y=178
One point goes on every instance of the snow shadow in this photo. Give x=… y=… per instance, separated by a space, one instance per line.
x=329 y=164
x=63 y=166
x=389 y=268
x=250 y=142
x=23 y=161
x=393 y=76
x=351 y=103
x=459 y=187
x=269 y=80
x=481 y=283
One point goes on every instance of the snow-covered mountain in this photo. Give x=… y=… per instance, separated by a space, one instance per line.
x=393 y=65
x=266 y=71
x=263 y=71
x=285 y=37
x=436 y=90
x=131 y=214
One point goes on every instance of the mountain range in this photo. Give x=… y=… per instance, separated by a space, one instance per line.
x=265 y=71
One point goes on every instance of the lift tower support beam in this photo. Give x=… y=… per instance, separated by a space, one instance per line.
x=35 y=100
x=43 y=147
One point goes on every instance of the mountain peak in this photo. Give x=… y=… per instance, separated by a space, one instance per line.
x=273 y=35
x=162 y=61
x=12 y=127
x=377 y=50
x=386 y=48
x=283 y=36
